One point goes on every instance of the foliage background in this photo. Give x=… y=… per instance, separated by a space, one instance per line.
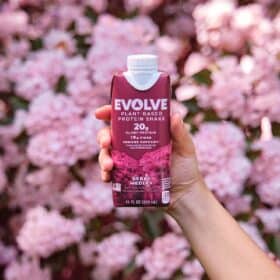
x=56 y=62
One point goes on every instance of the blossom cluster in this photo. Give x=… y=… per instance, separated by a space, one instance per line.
x=57 y=59
x=45 y=232
x=166 y=255
x=222 y=160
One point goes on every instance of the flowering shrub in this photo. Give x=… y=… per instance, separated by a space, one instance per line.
x=56 y=63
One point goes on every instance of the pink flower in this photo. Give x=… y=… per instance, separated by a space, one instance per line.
x=212 y=21
x=164 y=257
x=222 y=160
x=44 y=233
x=76 y=68
x=247 y=17
x=61 y=132
x=97 y=5
x=269 y=192
x=13 y=23
x=40 y=187
x=3 y=178
x=83 y=25
x=187 y=91
x=266 y=166
x=62 y=14
x=179 y=108
x=91 y=171
x=114 y=253
x=180 y=26
x=128 y=212
x=16 y=49
x=19 y=3
x=114 y=39
x=87 y=252
x=58 y=39
x=49 y=111
x=4 y=78
x=270 y=218
x=193 y=270
x=33 y=76
x=142 y=6
x=65 y=145
x=13 y=154
x=217 y=22
x=26 y=268
x=169 y=50
x=247 y=91
x=195 y=63
x=94 y=199
x=266 y=170
x=238 y=205
x=7 y=254
x=213 y=14
x=88 y=96
x=226 y=95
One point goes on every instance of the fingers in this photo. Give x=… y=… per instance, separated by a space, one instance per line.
x=105 y=176
x=182 y=141
x=104 y=137
x=104 y=140
x=106 y=164
x=103 y=113
x=105 y=160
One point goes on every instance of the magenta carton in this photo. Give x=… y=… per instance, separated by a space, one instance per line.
x=140 y=125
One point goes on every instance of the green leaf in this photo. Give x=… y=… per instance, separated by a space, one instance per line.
x=203 y=77
x=192 y=106
x=21 y=139
x=76 y=173
x=91 y=14
x=211 y=116
x=253 y=154
x=82 y=44
x=129 y=268
x=276 y=129
x=151 y=221
x=36 y=44
x=276 y=245
x=18 y=103
x=61 y=85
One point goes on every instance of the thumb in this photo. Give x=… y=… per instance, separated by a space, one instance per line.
x=181 y=137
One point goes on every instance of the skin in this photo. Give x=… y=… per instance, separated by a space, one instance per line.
x=223 y=248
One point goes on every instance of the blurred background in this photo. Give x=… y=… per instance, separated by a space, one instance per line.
x=57 y=59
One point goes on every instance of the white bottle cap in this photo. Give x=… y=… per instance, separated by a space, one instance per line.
x=142 y=62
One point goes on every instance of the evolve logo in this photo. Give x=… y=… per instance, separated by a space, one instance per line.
x=138 y=104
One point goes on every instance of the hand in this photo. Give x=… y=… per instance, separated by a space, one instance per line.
x=184 y=168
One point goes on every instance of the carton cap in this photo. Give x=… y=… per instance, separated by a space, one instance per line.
x=142 y=62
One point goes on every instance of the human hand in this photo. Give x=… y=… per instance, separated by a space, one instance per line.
x=184 y=168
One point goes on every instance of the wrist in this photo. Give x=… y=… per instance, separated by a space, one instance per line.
x=193 y=200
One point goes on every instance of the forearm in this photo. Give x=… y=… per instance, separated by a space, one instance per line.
x=223 y=248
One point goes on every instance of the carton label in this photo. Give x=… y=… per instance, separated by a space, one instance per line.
x=141 y=143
